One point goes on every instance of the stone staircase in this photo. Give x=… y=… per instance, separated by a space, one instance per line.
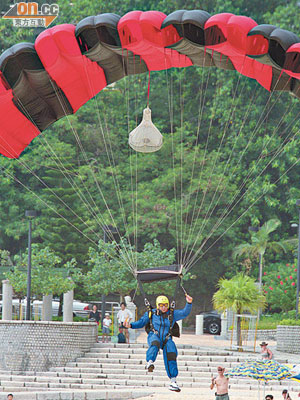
x=121 y=366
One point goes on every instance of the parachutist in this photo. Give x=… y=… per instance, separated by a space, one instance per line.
x=161 y=323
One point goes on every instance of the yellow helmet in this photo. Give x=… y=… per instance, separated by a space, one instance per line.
x=162 y=300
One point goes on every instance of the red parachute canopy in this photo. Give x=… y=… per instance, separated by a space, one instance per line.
x=68 y=65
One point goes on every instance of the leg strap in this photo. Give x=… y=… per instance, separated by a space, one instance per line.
x=171 y=356
x=155 y=343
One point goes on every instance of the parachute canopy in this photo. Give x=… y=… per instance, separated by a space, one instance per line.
x=68 y=65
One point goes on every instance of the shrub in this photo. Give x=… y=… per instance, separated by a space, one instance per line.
x=279 y=286
x=290 y=322
x=267 y=324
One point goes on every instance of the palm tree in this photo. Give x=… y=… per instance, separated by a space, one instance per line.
x=239 y=294
x=260 y=242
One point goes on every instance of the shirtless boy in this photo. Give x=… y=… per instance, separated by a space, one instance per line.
x=221 y=383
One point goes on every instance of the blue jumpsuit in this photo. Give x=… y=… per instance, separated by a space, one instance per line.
x=161 y=325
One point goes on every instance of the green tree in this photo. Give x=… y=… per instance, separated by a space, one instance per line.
x=5 y=263
x=260 y=243
x=46 y=277
x=239 y=294
x=112 y=267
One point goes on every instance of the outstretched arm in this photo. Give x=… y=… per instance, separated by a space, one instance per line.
x=184 y=312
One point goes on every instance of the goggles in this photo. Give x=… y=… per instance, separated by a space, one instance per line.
x=163 y=305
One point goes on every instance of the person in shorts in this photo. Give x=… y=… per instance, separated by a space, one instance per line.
x=106 y=328
x=124 y=317
x=221 y=384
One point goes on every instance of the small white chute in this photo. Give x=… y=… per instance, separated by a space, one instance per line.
x=146 y=138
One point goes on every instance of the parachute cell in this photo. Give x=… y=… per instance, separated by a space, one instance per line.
x=99 y=41
x=77 y=76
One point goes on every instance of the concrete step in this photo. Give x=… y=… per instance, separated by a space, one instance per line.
x=187 y=357
x=123 y=362
x=88 y=382
x=141 y=350
x=123 y=366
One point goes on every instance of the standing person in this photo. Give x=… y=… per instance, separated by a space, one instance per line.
x=286 y=395
x=266 y=354
x=124 y=316
x=221 y=384
x=10 y=396
x=106 y=327
x=160 y=335
x=95 y=315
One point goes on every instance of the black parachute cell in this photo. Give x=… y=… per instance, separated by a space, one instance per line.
x=280 y=41
x=295 y=87
x=190 y=25
x=102 y=27
x=280 y=81
x=292 y=62
x=198 y=55
x=284 y=83
x=99 y=40
x=34 y=93
x=159 y=273
x=264 y=29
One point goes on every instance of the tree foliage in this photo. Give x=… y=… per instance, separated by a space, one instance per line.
x=239 y=294
x=113 y=265
x=46 y=277
x=261 y=242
